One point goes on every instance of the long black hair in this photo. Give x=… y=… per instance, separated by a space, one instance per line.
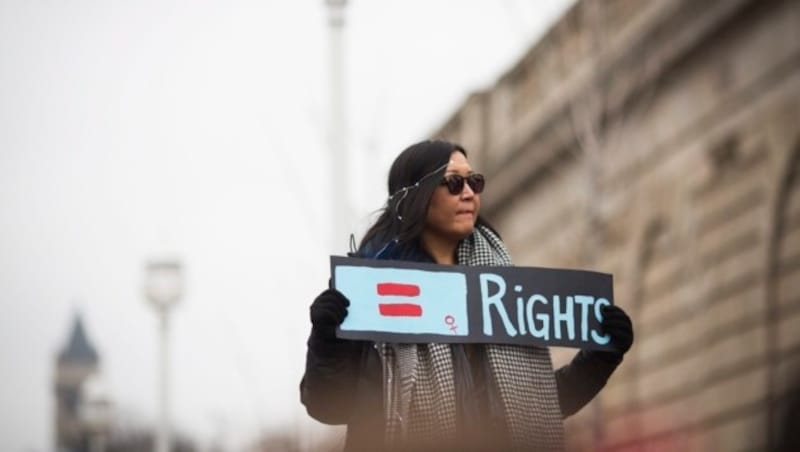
x=413 y=177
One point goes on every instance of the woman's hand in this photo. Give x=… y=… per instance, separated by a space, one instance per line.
x=616 y=324
x=327 y=312
x=328 y=385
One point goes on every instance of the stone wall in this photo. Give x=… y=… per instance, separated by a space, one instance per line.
x=660 y=142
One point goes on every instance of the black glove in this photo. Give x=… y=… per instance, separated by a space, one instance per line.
x=616 y=324
x=589 y=370
x=327 y=312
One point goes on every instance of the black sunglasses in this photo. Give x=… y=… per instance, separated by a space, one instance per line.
x=455 y=183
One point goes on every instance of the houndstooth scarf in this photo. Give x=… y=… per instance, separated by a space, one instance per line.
x=419 y=385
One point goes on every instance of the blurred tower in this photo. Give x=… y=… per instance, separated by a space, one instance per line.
x=76 y=362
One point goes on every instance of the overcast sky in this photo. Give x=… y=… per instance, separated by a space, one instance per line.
x=197 y=128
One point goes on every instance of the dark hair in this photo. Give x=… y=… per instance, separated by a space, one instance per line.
x=413 y=177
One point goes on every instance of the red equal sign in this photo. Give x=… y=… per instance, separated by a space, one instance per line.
x=391 y=289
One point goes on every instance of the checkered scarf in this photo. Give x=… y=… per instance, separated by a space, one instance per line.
x=419 y=386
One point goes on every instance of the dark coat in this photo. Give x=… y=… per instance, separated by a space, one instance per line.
x=343 y=385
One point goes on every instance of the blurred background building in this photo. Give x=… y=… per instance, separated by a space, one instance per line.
x=85 y=418
x=659 y=141
x=82 y=407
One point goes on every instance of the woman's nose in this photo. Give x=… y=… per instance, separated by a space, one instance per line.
x=466 y=191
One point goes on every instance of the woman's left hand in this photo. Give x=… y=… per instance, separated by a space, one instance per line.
x=617 y=324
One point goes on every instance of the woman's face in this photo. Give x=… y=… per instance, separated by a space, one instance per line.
x=450 y=216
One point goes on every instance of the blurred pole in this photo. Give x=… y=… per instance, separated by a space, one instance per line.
x=163 y=439
x=163 y=288
x=337 y=129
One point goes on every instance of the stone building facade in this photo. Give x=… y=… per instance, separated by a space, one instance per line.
x=660 y=141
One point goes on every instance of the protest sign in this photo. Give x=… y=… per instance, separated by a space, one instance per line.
x=412 y=302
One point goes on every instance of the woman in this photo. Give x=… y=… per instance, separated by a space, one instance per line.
x=444 y=396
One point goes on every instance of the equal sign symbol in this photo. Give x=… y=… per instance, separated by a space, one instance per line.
x=390 y=289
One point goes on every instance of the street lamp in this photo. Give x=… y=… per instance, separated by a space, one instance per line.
x=163 y=288
x=337 y=126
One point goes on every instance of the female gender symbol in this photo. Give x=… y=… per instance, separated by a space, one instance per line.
x=450 y=320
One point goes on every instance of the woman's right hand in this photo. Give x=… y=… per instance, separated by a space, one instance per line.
x=327 y=312
x=328 y=385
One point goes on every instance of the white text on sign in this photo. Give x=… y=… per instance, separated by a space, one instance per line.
x=538 y=315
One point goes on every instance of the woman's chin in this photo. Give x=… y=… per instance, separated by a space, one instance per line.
x=464 y=231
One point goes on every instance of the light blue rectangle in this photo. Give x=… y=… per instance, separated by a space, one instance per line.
x=443 y=297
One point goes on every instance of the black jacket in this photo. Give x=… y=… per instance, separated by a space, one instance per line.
x=343 y=385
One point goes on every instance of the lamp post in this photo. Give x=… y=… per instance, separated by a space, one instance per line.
x=163 y=288
x=337 y=126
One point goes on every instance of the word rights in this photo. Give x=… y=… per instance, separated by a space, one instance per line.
x=410 y=302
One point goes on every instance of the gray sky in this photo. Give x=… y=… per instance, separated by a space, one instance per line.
x=134 y=129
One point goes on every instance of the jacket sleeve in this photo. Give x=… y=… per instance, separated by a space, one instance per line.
x=580 y=380
x=328 y=387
